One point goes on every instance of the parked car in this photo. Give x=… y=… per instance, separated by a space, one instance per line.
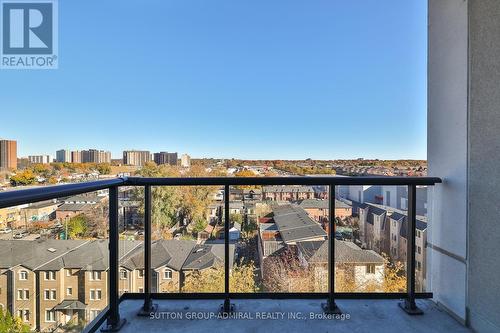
x=21 y=234
x=5 y=230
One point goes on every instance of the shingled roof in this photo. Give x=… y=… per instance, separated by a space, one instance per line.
x=33 y=254
x=170 y=253
x=345 y=252
x=52 y=254
x=294 y=224
x=321 y=204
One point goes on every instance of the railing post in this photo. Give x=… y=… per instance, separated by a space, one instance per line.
x=227 y=307
x=114 y=323
x=148 y=306
x=330 y=307
x=408 y=304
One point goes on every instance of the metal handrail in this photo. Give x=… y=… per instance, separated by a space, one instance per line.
x=114 y=322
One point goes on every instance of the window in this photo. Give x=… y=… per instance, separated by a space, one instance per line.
x=50 y=316
x=140 y=273
x=418 y=233
x=95 y=294
x=94 y=313
x=419 y=250
x=167 y=275
x=50 y=275
x=123 y=274
x=419 y=266
x=68 y=272
x=370 y=269
x=69 y=291
x=23 y=294
x=95 y=275
x=23 y=275
x=49 y=294
x=24 y=314
x=141 y=290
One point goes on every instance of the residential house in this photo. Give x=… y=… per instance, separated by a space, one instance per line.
x=357 y=267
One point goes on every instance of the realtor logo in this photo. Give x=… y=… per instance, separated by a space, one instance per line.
x=29 y=34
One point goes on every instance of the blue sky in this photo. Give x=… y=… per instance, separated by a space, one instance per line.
x=256 y=79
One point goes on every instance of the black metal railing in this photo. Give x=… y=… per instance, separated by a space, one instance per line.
x=111 y=312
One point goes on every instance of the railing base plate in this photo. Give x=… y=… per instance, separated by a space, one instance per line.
x=227 y=307
x=331 y=309
x=146 y=313
x=114 y=328
x=410 y=308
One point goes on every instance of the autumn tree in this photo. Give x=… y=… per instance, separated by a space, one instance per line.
x=26 y=177
x=241 y=280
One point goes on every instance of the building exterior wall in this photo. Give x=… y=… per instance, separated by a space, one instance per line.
x=63 y=156
x=447 y=152
x=49 y=286
x=136 y=157
x=24 y=304
x=168 y=285
x=483 y=294
x=8 y=154
x=9 y=216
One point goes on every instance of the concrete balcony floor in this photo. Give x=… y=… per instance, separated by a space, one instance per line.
x=365 y=316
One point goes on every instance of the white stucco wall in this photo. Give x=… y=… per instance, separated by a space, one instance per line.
x=447 y=152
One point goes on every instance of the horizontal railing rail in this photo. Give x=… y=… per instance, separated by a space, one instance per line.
x=114 y=322
x=302 y=180
x=41 y=193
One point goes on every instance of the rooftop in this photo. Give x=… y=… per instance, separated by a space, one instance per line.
x=294 y=224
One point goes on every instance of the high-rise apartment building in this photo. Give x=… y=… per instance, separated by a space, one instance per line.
x=63 y=156
x=185 y=160
x=165 y=158
x=95 y=156
x=136 y=157
x=39 y=159
x=8 y=154
x=76 y=156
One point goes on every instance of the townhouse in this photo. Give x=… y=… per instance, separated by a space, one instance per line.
x=384 y=230
x=398 y=229
x=52 y=283
x=374 y=232
x=287 y=193
x=318 y=209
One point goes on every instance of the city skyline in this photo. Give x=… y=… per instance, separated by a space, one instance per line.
x=259 y=80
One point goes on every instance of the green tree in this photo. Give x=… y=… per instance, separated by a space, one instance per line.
x=11 y=324
x=77 y=226
x=165 y=199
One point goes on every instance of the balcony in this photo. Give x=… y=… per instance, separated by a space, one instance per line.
x=311 y=308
